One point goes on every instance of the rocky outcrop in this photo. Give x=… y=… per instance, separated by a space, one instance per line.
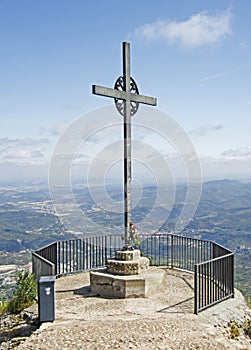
x=15 y=329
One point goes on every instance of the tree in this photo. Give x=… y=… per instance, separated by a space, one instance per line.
x=25 y=294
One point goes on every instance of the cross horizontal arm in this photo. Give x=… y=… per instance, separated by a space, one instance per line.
x=107 y=92
x=123 y=95
x=143 y=99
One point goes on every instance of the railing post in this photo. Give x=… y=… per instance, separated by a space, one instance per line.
x=232 y=275
x=196 y=289
x=55 y=257
x=172 y=251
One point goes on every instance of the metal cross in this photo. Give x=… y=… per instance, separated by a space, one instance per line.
x=126 y=97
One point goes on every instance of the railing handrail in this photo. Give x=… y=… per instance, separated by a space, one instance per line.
x=44 y=259
x=38 y=274
x=44 y=247
x=161 y=234
x=221 y=246
x=214 y=259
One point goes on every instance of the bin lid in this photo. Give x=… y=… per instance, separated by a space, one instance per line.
x=46 y=279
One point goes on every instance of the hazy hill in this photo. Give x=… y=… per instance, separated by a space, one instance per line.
x=28 y=220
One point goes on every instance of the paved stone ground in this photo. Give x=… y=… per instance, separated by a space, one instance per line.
x=163 y=321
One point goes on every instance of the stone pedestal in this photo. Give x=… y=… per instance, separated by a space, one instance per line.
x=133 y=286
x=126 y=276
x=127 y=263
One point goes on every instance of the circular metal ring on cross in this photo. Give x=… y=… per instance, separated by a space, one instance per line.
x=119 y=85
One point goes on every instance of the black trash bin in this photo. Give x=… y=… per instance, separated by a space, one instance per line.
x=46 y=299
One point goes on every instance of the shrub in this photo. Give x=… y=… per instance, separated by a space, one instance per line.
x=247 y=327
x=3 y=307
x=25 y=294
x=234 y=329
x=150 y=261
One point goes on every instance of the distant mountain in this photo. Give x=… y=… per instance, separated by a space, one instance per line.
x=27 y=218
x=224 y=182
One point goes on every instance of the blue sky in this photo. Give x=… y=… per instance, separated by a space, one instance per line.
x=194 y=56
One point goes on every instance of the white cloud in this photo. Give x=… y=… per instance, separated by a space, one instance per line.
x=199 y=30
x=24 y=154
x=213 y=77
x=229 y=164
x=26 y=151
x=204 y=130
x=8 y=142
x=240 y=153
x=243 y=45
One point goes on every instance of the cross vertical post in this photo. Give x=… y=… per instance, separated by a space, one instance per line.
x=127 y=98
x=127 y=147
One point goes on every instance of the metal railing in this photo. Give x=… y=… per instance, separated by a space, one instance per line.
x=175 y=251
x=41 y=266
x=44 y=261
x=212 y=264
x=86 y=254
x=214 y=279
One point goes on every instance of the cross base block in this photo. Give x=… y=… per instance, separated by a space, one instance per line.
x=127 y=254
x=127 y=263
x=127 y=268
x=148 y=283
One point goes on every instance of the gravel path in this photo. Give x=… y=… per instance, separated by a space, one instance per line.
x=163 y=321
